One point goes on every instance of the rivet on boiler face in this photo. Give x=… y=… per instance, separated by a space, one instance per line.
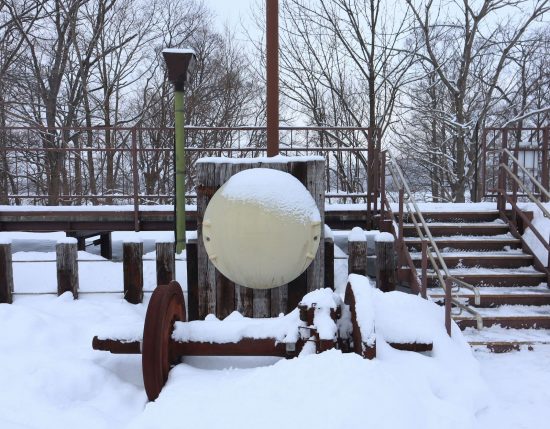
x=315 y=238
x=207 y=238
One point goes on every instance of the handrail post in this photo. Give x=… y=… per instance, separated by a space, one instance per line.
x=448 y=303
x=400 y=240
x=424 y=269
x=382 y=188
x=135 y=178
x=545 y=173
x=502 y=188
x=401 y=204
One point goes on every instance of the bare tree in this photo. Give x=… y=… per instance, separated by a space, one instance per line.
x=468 y=45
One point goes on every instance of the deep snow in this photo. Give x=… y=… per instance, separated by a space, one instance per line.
x=51 y=377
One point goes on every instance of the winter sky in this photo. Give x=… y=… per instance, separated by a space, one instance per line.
x=230 y=11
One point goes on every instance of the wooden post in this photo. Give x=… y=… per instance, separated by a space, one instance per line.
x=329 y=258
x=386 y=262
x=217 y=294
x=166 y=262
x=132 y=263
x=357 y=252
x=106 y=246
x=67 y=266
x=6 y=273
x=192 y=278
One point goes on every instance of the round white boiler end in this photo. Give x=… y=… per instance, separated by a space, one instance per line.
x=262 y=228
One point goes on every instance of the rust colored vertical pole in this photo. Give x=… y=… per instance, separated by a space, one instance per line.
x=382 y=188
x=484 y=164
x=165 y=262
x=6 y=273
x=545 y=173
x=424 y=268
x=135 y=179
x=272 y=76
x=401 y=214
x=132 y=266
x=67 y=267
x=448 y=287
x=370 y=176
x=502 y=188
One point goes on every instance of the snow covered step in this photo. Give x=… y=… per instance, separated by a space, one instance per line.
x=509 y=316
x=520 y=277
x=452 y=229
x=499 y=340
x=497 y=333
x=492 y=297
x=502 y=242
x=460 y=216
x=497 y=259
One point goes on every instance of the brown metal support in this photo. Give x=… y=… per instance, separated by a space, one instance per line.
x=382 y=175
x=424 y=268
x=448 y=287
x=484 y=165
x=502 y=188
x=545 y=170
x=272 y=76
x=370 y=178
x=401 y=214
x=135 y=179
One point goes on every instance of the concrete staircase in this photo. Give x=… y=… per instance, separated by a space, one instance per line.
x=479 y=248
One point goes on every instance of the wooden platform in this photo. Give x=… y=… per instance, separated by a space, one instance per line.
x=149 y=218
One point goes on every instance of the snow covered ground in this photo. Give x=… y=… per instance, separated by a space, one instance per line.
x=51 y=378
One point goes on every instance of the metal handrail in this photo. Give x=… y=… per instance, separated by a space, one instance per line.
x=516 y=179
x=513 y=201
x=399 y=178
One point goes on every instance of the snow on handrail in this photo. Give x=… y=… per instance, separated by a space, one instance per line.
x=399 y=178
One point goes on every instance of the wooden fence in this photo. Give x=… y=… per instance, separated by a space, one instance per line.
x=67 y=269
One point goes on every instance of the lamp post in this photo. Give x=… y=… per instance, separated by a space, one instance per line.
x=179 y=63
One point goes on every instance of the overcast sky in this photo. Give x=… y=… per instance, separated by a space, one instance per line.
x=230 y=11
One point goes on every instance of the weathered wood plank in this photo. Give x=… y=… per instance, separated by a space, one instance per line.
x=316 y=186
x=192 y=280
x=386 y=262
x=6 y=274
x=165 y=262
x=216 y=294
x=67 y=267
x=329 y=262
x=262 y=303
x=357 y=252
x=132 y=266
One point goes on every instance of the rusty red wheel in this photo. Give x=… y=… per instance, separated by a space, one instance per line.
x=167 y=305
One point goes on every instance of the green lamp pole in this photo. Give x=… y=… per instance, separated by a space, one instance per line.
x=179 y=63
